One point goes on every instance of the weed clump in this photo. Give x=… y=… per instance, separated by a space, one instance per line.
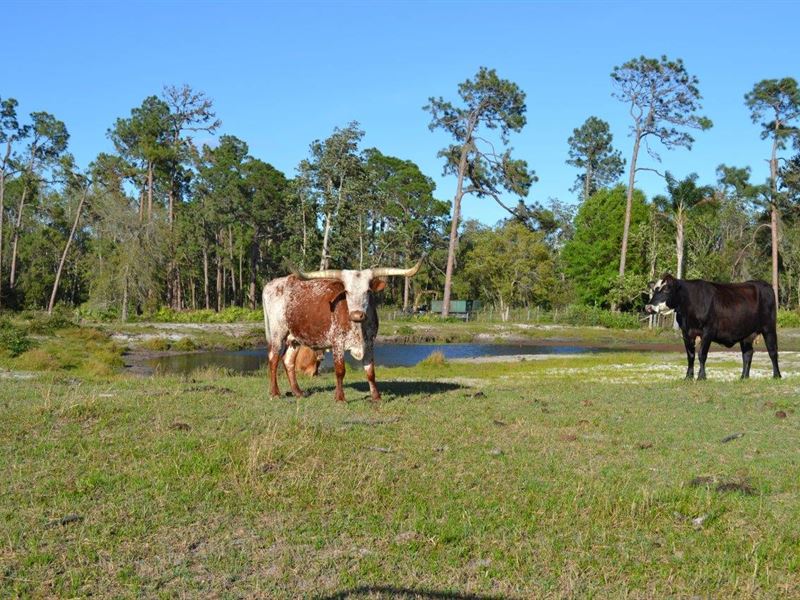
x=39 y=359
x=184 y=345
x=434 y=359
x=156 y=344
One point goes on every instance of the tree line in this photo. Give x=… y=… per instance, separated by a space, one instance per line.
x=166 y=221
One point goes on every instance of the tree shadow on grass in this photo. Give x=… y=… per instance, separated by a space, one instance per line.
x=388 y=591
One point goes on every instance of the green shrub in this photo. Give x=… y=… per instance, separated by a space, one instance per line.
x=39 y=359
x=788 y=318
x=593 y=316
x=399 y=316
x=13 y=339
x=102 y=315
x=184 y=345
x=232 y=314
x=156 y=344
x=43 y=324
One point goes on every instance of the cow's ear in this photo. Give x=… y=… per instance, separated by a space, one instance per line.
x=651 y=285
x=667 y=279
x=335 y=296
x=376 y=285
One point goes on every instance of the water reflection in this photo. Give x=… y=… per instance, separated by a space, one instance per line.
x=386 y=355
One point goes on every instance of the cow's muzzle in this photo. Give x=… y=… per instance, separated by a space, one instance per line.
x=649 y=309
x=357 y=315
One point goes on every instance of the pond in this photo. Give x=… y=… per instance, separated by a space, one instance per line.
x=386 y=355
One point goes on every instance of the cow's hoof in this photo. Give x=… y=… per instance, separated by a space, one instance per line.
x=376 y=398
x=689 y=377
x=777 y=376
x=701 y=377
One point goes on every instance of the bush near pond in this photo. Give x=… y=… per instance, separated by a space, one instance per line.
x=788 y=318
x=81 y=349
x=13 y=340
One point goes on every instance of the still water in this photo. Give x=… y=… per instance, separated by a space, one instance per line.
x=386 y=355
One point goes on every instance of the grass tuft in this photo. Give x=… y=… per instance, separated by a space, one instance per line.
x=434 y=359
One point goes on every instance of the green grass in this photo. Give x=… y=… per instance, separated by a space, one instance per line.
x=60 y=347
x=576 y=477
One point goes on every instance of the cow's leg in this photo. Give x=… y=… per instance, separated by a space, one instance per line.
x=705 y=344
x=289 y=360
x=771 y=342
x=688 y=343
x=339 y=369
x=747 y=357
x=276 y=349
x=369 y=369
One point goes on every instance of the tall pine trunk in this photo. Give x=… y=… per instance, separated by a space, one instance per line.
x=305 y=235
x=628 y=205
x=15 y=241
x=679 y=251
x=323 y=261
x=451 y=248
x=240 y=299
x=220 y=275
x=587 y=183
x=205 y=279
x=149 y=191
x=251 y=292
x=679 y=243
x=773 y=217
x=2 y=213
x=66 y=250
x=360 y=242
x=124 y=315
x=234 y=295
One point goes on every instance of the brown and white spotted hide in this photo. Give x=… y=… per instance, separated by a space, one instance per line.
x=320 y=314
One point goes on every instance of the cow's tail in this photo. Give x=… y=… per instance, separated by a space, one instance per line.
x=766 y=299
x=265 y=306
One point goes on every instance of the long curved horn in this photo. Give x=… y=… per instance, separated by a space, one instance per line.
x=388 y=271
x=327 y=274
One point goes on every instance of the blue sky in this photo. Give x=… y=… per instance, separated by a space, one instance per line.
x=284 y=74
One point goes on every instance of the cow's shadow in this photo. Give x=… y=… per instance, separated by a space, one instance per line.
x=394 y=389
x=388 y=591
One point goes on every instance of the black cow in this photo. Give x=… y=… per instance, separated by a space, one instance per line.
x=725 y=313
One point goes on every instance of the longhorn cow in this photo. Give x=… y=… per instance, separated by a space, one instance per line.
x=324 y=309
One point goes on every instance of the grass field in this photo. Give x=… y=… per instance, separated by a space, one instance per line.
x=594 y=476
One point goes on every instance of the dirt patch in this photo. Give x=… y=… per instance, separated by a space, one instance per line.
x=742 y=486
